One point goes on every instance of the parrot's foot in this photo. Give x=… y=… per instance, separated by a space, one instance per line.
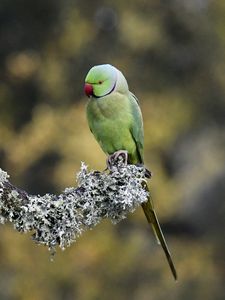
x=114 y=158
x=148 y=174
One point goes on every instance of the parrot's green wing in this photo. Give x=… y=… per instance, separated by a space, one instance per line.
x=136 y=129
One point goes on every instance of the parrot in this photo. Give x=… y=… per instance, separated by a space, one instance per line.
x=115 y=119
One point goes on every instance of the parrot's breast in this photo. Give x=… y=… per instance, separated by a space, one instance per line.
x=110 y=120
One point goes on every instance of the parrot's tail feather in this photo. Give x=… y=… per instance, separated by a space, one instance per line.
x=153 y=220
x=155 y=233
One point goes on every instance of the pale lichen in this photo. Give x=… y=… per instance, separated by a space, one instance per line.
x=3 y=176
x=59 y=220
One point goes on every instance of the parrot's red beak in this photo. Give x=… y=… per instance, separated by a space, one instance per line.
x=88 y=89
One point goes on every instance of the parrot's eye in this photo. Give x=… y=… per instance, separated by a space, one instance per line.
x=100 y=82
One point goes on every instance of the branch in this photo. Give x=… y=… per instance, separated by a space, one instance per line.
x=59 y=220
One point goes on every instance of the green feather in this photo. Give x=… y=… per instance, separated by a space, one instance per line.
x=137 y=131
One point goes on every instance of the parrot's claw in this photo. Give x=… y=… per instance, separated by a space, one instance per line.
x=148 y=174
x=113 y=158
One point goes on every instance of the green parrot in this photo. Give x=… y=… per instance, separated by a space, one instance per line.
x=115 y=119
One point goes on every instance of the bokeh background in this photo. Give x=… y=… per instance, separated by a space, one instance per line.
x=173 y=56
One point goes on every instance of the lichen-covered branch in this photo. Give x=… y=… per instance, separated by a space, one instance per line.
x=59 y=220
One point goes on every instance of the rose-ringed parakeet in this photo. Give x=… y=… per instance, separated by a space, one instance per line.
x=115 y=119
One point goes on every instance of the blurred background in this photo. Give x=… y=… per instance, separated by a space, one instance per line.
x=173 y=56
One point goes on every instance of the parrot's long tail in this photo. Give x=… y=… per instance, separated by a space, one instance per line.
x=153 y=220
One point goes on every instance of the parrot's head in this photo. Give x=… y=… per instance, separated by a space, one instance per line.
x=102 y=80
